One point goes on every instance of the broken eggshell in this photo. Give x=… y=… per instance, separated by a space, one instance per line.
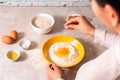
x=25 y=44
x=72 y=16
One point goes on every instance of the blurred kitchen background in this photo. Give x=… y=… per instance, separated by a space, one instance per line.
x=63 y=3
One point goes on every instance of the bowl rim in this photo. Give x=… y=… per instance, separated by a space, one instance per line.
x=44 y=14
x=60 y=65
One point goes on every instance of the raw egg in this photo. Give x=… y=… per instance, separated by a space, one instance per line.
x=62 y=52
x=13 y=55
x=7 y=40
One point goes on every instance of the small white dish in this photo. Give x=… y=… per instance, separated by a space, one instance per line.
x=42 y=23
x=25 y=44
x=13 y=55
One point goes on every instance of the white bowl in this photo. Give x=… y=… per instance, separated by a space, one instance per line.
x=13 y=55
x=25 y=44
x=42 y=23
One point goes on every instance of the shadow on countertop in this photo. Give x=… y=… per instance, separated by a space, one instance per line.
x=33 y=45
x=59 y=24
x=23 y=56
x=21 y=35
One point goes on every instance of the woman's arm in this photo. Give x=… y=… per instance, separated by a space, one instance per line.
x=105 y=38
x=84 y=26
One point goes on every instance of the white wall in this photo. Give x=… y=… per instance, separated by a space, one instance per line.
x=44 y=3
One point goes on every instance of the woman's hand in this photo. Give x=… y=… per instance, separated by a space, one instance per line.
x=82 y=24
x=53 y=72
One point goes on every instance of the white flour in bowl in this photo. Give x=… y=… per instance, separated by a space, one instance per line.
x=42 y=22
x=63 y=61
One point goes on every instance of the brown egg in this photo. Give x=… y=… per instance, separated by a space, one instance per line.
x=7 y=40
x=14 y=35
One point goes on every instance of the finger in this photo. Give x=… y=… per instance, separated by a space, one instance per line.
x=72 y=21
x=72 y=26
x=49 y=67
x=68 y=28
x=55 y=67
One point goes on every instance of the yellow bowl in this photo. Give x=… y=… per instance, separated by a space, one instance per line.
x=51 y=41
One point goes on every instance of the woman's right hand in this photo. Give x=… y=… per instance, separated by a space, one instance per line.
x=82 y=24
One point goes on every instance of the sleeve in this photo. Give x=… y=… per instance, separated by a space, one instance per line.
x=105 y=38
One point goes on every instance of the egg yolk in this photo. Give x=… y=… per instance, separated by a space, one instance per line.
x=62 y=52
x=13 y=55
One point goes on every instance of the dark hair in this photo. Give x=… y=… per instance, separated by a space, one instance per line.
x=114 y=3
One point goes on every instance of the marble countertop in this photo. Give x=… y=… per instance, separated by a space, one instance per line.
x=31 y=65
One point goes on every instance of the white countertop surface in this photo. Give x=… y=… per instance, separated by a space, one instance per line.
x=31 y=65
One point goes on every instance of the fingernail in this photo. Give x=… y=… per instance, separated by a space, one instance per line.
x=66 y=27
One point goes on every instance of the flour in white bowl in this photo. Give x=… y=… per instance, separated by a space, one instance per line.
x=42 y=22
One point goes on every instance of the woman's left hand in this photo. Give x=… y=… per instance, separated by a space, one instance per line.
x=53 y=72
